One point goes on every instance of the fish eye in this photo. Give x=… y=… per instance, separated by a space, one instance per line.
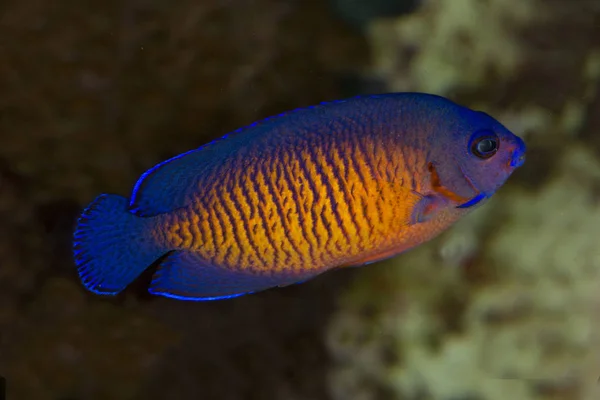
x=484 y=144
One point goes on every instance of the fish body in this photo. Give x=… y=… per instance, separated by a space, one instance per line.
x=339 y=184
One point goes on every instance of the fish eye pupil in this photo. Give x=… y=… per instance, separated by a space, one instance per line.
x=485 y=147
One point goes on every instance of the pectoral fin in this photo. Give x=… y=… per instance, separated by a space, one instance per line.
x=427 y=207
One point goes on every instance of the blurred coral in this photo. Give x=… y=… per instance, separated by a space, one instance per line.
x=505 y=304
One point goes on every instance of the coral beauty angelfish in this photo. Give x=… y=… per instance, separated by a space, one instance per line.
x=343 y=183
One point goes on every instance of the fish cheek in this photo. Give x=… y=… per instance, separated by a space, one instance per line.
x=439 y=188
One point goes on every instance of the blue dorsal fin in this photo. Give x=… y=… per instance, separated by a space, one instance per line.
x=169 y=184
x=183 y=275
x=172 y=184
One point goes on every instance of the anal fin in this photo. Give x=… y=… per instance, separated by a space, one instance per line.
x=183 y=275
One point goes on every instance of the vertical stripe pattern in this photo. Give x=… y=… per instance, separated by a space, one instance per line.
x=324 y=200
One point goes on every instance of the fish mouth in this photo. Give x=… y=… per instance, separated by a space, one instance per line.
x=518 y=156
x=465 y=202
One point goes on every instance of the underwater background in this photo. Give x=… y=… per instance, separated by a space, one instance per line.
x=504 y=305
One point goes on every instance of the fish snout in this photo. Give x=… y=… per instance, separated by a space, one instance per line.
x=518 y=155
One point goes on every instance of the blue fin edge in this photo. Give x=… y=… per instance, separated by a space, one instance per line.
x=474 y=201
x=176 y=297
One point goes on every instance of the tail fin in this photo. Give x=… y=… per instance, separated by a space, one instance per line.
x=112 y=246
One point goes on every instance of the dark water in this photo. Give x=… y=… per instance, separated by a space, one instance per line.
x=92 y=94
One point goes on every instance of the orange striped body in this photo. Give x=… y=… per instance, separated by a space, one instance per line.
x=306 y=208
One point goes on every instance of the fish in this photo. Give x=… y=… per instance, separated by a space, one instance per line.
x=344 y=183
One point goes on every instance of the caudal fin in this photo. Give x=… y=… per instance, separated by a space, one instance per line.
x=112 y=246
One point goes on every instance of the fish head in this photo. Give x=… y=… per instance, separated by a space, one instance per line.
x=478 y=156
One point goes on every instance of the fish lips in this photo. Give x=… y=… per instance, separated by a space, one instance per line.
x=518 y=156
